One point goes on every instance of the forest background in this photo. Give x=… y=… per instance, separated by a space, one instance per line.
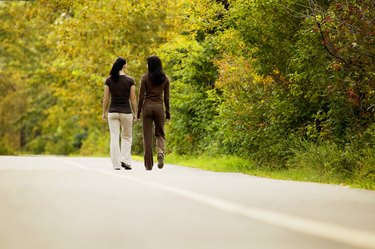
x=268 y=85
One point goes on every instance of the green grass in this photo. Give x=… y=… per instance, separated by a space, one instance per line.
x=236 y=164
x=304 y=167
x=217 y=163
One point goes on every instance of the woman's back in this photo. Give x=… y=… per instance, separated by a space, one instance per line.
x=154 y=92
x=120 y=92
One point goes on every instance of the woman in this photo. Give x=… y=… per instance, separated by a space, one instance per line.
x=153 y=93
x=120 y=88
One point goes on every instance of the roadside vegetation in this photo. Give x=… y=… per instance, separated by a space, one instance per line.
x=302 y=172
x=275 y=88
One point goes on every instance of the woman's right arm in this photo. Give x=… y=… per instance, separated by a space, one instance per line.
x=105 y=102
x=141 y=97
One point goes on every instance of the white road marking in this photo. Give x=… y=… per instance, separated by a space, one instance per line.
x=354 y=237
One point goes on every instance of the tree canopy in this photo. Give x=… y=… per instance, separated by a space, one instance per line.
x=267 y=80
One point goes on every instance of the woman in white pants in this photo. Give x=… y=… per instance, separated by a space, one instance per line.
x=120 y=88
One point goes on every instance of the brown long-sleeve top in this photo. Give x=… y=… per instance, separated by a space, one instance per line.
x=150 y=93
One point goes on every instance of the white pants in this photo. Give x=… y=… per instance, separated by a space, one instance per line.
x=115 y=120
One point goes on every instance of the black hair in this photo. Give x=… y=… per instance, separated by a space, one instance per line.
x=155 y=70
x=117 y=66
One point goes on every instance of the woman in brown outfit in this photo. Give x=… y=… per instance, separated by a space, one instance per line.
x=154 y=92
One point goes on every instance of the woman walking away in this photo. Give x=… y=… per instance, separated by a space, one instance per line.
x=154 y=91
x=120 y=88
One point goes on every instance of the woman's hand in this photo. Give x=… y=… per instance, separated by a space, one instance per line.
x=104 y=116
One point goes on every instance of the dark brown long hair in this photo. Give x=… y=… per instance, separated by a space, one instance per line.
x=117 y=66
x=155 y=70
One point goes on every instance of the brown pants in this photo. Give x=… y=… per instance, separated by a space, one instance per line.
x=153 y=114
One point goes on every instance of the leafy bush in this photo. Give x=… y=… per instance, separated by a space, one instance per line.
x=365 y=171
x=284 y=83
x=190 y=66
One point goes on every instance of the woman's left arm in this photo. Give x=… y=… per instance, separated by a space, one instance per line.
x=106 y=95
x=166 y=101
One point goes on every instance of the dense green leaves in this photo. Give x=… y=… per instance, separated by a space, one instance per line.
x=275 y=81
x=285 y=72
x=54 y=58
x=190 y=66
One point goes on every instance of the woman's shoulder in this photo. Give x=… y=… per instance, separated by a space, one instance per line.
x=126 y=80
x=166 y=79
x=129 y=78
x=144 y=77
x=108 y=80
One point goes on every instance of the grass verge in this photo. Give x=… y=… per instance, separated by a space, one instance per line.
x=240 y=165
x=308 y=167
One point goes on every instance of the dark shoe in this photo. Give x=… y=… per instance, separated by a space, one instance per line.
x=117 y=168
x=160 y=160
x=126 y=166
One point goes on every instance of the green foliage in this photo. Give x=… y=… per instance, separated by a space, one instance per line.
x=95 y=143
x=343 y=79
x=365 y=170
x=23 y=54
x=323 y=159
x=190 y=66
x=54 y=58
x=218 y=164
x=268 y=28
x=277 y=83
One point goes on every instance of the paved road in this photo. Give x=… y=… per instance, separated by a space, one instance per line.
x=80 y=203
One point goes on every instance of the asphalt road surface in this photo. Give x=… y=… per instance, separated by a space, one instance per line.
x=51 y=202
